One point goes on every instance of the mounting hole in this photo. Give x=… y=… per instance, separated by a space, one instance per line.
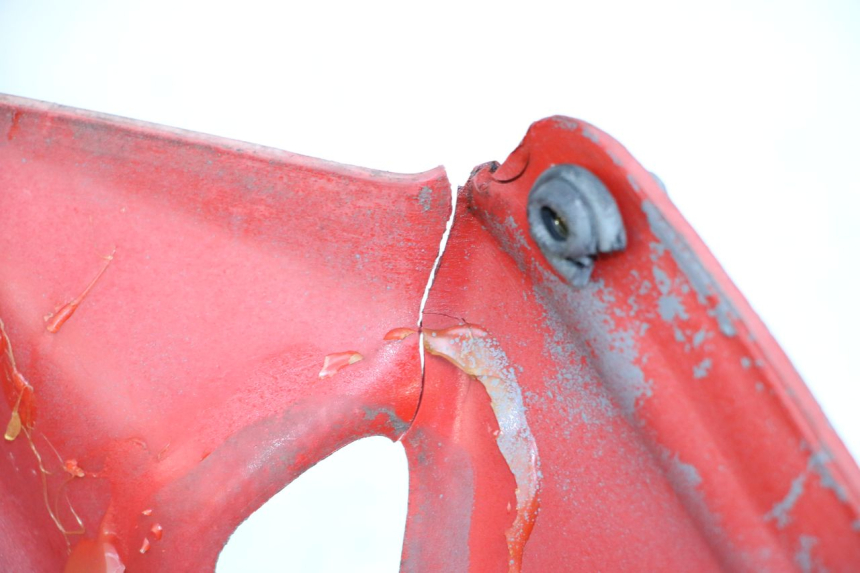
x=555 y=225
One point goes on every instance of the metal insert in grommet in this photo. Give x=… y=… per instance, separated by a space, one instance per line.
x=573 y=218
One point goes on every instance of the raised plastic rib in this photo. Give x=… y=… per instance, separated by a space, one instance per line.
x=189 y=323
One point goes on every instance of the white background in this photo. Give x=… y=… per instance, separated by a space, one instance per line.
x=748 y=111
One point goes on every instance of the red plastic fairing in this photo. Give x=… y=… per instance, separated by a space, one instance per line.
x=190 y=323
x=187 y=382
x=672 y=433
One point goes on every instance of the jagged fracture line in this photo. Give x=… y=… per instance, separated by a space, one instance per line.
x=443 y=244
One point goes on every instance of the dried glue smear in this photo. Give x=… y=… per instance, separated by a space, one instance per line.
x=472 y=350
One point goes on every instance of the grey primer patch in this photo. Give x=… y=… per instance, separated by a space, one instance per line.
x=670 y=307
x=632 y=181
x=701 y=370
x=702 y=282
x=803 y=558
x=425 y=197
x=699 y=338
x=746 y=363
x=780 y=512
x=581 y=324
x=590 y=135
x=615 y=351
x=682 y=474
x=818 y=463
x=398 y=425
x=594 y=335
x=685 y=480
x=565 y=122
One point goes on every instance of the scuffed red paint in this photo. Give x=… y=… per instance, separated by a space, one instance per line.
x=471 y=349
x=336 y=361
x=157 y=531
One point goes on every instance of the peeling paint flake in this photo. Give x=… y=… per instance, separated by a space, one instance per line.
x=399 y=333
x=337 y=361
x=475 y=352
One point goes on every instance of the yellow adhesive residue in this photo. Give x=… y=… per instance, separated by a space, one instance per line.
x=471 y=349
x=22 y=420
x=16 y=388
x=13 y=428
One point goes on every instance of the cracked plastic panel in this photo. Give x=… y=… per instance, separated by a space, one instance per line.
x=672 y=432
x=188 y=383
x=189 y=323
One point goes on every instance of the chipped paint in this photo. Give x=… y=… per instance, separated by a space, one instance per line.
x=425 y=198
x=591 y=135
x=475 y=352
x=670 y=308
x=701 y=369
x=780 y=512
x=803 y=558
x=700 y=279
x=399 y=333
x=632 y=181
x=818 y=463
x=597 y=335
x=396 y=422
x=338 y=360
x=687 y=481
x=565 y=122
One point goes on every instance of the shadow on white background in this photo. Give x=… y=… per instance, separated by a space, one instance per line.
x=746 y=110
